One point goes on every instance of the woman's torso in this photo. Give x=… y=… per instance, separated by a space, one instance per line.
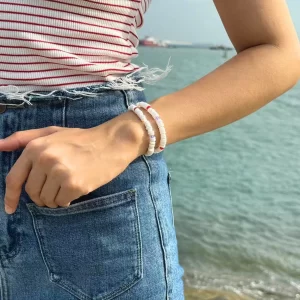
x=54 y=44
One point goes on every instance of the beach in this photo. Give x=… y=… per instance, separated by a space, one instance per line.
x=194 y=294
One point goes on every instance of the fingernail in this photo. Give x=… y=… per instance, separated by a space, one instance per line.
x=8 y=209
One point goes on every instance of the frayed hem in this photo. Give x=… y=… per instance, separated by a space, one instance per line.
x=142 y=75
x=132 y=81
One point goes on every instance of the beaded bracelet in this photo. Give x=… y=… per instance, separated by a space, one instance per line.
x=148 y=126
x=160 y=125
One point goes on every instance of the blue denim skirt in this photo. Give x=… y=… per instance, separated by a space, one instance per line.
x=117 y=242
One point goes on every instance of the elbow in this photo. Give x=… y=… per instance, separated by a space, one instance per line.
x=291 y=58
x=287 y=59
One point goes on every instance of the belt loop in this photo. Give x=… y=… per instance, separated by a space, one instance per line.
x=127 y=99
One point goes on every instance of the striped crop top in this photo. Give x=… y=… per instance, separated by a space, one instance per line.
x=53 y=44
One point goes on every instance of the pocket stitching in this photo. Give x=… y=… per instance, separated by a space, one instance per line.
x=69 y=286
x=90 y=204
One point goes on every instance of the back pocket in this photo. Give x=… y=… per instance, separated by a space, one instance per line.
x=92 y=248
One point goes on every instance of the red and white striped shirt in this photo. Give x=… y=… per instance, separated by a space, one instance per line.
x=53 y=44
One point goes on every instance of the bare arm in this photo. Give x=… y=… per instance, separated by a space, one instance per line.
x=266 y=66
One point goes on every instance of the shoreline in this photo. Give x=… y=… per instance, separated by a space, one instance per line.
x=197 y=294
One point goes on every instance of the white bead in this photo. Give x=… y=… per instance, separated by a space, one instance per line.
x=160 y=125
x=148 y=127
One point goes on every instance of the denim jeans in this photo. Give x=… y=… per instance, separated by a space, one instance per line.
x=117 y=242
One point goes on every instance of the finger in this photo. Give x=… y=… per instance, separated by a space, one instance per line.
x=20 y=139
x=49 y=192
x=65 y=196
x=14 y=182
x=35 y=183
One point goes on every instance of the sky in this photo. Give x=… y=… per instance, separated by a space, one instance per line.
x=193 y=21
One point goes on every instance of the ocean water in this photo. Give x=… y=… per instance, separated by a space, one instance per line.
x=236 y=190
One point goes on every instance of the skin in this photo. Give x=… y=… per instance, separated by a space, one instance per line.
x=55 y=163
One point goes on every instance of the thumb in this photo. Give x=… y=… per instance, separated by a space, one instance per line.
x=20 y=139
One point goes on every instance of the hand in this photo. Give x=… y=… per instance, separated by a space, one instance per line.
x=61 y=164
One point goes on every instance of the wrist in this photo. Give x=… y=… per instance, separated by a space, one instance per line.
x=130 y=134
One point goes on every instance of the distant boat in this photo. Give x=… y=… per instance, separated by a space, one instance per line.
x=149 y=42
x=220 y=47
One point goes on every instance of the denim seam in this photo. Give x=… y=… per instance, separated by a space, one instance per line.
x=139 y=238
x=16 y=217
x=128 y=102
x=16 y=249
x=17 y=220
x=3 y=284
x=158 y=224
x=171 y=199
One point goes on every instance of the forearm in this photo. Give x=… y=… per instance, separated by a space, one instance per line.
x=241 y=86
x=234 y=90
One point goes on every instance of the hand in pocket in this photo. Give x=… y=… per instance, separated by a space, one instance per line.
x=61 y=164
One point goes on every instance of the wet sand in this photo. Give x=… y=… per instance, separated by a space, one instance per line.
x=194 y=294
